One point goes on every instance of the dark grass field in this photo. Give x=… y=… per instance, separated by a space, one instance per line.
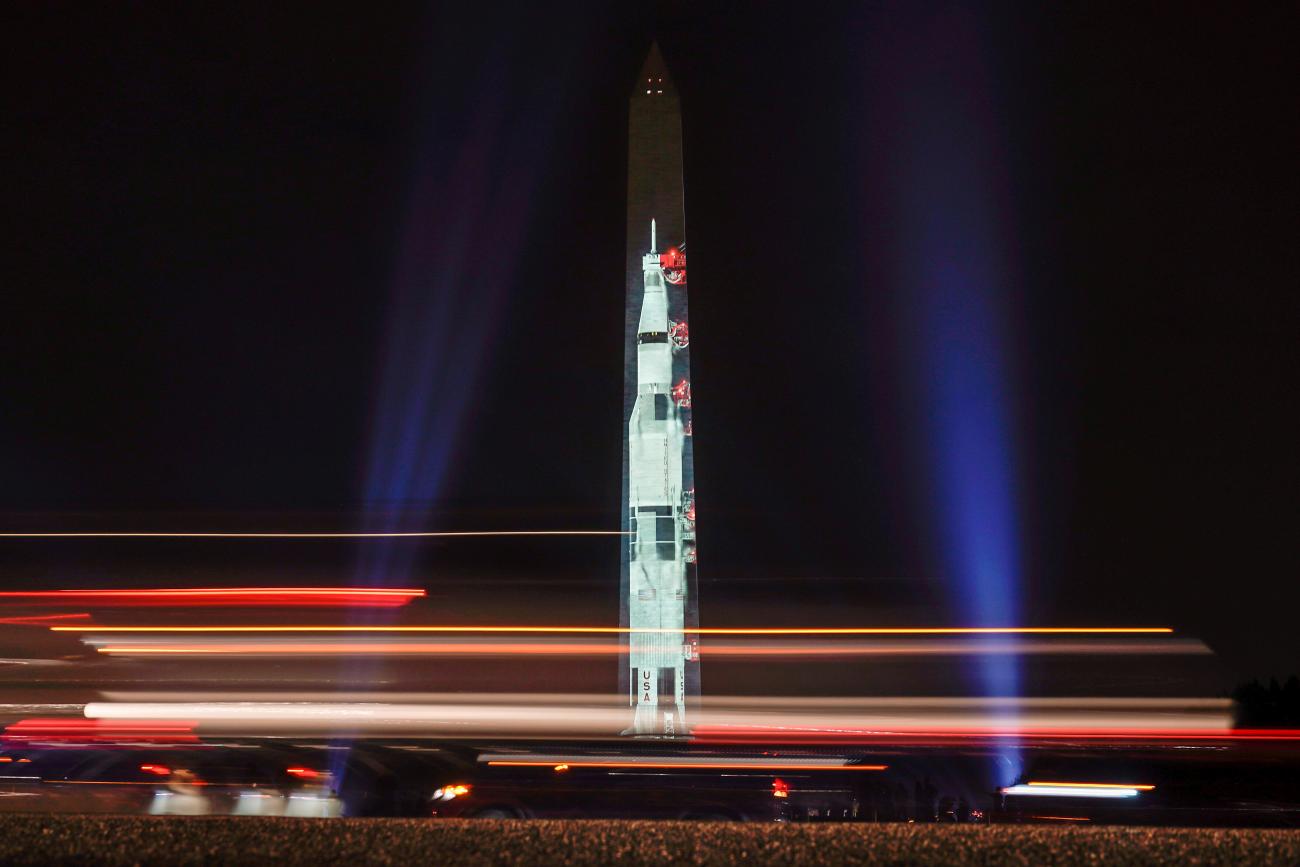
x=40 y=839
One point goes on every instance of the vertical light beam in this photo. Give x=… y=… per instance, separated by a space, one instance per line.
x=955 y=283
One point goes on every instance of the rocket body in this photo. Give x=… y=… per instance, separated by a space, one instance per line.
x=656 y=557
x=659 y=670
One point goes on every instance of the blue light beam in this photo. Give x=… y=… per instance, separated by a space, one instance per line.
x=955 y=286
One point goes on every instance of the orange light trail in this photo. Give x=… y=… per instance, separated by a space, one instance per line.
x=620 y=630
x=437 y=534
x=1140 y=788
x=1063 y=818
x=711 y=766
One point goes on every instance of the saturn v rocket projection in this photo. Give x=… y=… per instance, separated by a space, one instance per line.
x=660 y=610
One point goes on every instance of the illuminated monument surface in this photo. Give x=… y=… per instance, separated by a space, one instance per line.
x=660 y=609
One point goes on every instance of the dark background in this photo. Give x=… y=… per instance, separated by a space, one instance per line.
x=204 y=267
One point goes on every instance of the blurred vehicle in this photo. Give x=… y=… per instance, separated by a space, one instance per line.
x=187 y=781
x=325 y=779
x=583 y=793
x=639 y=789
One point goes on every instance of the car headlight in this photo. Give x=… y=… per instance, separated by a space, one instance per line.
x=450 y=793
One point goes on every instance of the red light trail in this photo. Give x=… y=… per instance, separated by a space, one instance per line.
x=958 y=736
x=77 y=730
x=42 y=619
x=245 y=597
x=617 y=630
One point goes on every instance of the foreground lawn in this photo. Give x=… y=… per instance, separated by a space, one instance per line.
x=39 y=839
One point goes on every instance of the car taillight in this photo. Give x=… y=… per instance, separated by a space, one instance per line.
x=780 y=789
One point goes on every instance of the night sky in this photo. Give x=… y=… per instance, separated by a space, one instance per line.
x=226 y=226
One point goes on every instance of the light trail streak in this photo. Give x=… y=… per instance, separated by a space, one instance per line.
x=1141 y=787
x=617 y=630
x=601 y=716
x=41 y=619
x=549 y=759
x=1063 y=818
x=154 y=784
x=712 y=766
x=437 y=534
x=221 y=591
x=1069 y=792
x=774 y=718
x=727 y=734
x=147 y=644
x=1163 y=704
x=221 y=596
x=444 y=720
x=1214 y=708
x=74 y=729
x=359 y=648
x=69 y=723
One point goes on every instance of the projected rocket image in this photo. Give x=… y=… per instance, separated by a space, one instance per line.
x=660 y=609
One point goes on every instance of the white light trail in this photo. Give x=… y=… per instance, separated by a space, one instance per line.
x=600 y=715
x=1070 y=792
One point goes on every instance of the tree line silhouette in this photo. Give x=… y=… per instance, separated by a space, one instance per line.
x=1266 y=707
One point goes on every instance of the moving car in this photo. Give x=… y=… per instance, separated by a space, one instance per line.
x=649 y=787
